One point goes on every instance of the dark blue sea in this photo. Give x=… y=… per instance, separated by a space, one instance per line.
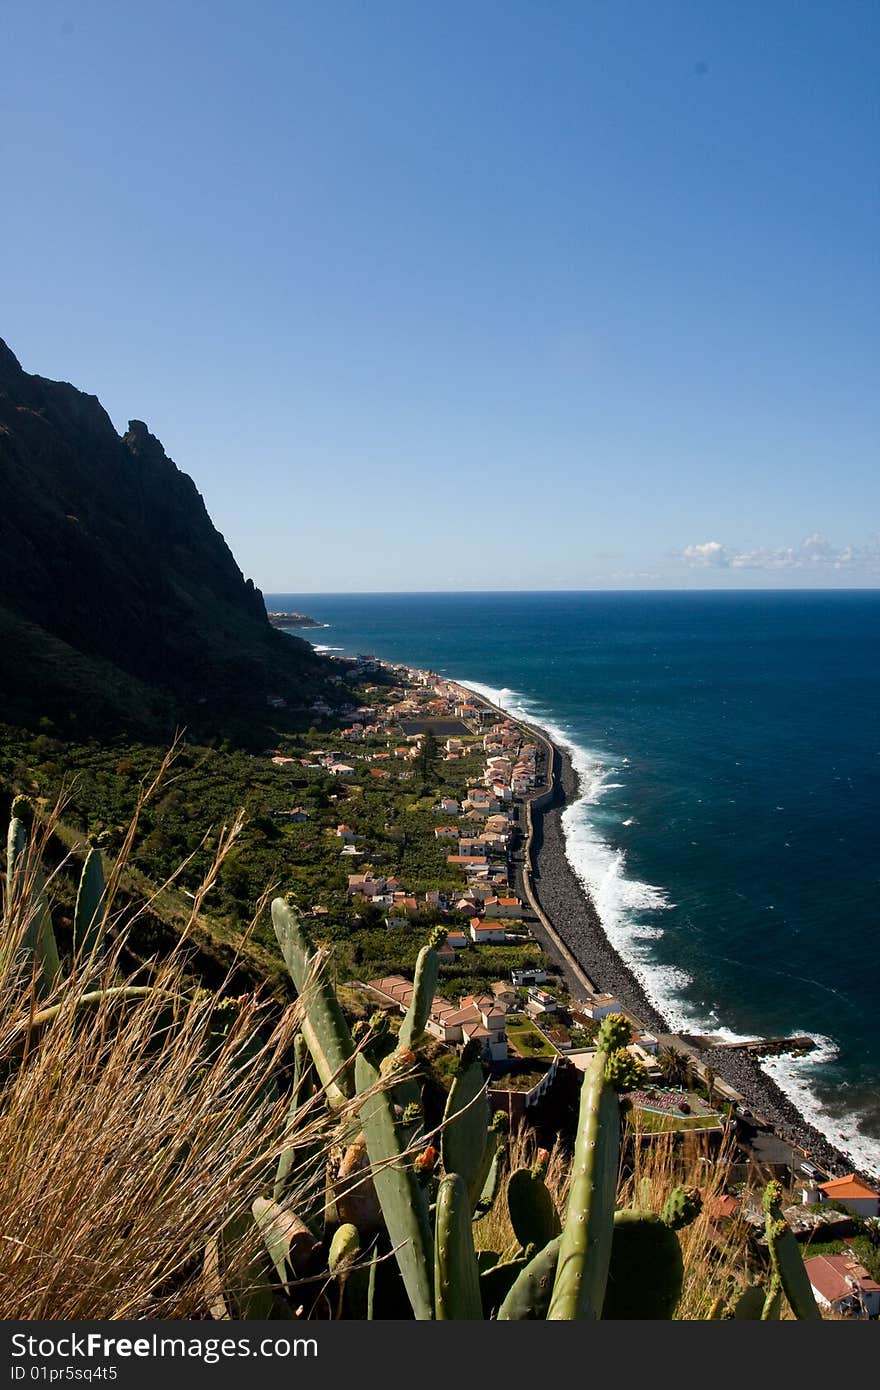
x=729 y=752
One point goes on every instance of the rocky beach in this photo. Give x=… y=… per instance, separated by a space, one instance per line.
x=573 y=914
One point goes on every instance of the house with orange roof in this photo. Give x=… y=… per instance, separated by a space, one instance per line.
x=509 y=907
x=457 y=938
x=487 y=933
x=852 y=1193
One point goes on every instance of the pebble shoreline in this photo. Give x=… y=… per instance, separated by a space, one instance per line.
x=573 y=914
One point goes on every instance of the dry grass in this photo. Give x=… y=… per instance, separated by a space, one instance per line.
x=130 y=1131
x=494 y=1231
x=716 y=1258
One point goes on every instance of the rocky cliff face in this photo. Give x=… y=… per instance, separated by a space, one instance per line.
x=115 y=586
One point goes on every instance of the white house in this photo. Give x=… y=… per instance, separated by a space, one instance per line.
x=487 y=933
x=457 y=938
x=843 y=1285
x=531 y=975
x=852 y=1193
x=540 y=1002
x=599 y=1006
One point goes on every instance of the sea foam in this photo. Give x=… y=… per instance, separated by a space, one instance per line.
x=621 y=901
x=796 y=1077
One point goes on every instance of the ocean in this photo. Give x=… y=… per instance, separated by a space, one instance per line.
x=728 y=746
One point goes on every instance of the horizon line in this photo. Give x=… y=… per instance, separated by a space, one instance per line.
x=780 y=589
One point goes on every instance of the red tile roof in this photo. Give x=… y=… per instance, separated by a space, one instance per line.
x=830 y=1276
x=850 y=1186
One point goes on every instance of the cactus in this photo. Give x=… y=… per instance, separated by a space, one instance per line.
x=93 y=999
x=344 y=1249
x=37 y=944
x=251 y=1298
x=424 y=986
x=623 y=1071
x=682 y=1206
x=533 y=1216
x=354 y=1193
x=38 y=938
x=89 y=913
x=401 y=1198
x=497 y=1278
x=531 y=1291
x=785 y=1256
x=466 y=1123
x=585 y=1243
x=456 y=1277
x=290 y=1243
x=646 y=1272
x=17 y=839
x=492 y=1182
x=615 y=1032
x=324 y=1027
x=772 y=1307
x=299 y=1096
x=749 y=1307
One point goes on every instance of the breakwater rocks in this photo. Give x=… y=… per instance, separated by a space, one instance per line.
x=573 y=914
x=766 y=1099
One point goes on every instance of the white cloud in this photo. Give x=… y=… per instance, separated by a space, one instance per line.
x=815 y=552
x=708 y=553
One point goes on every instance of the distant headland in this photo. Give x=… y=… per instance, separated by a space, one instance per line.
x=291 y=620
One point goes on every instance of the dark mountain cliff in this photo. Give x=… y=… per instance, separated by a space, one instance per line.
x=120 y=602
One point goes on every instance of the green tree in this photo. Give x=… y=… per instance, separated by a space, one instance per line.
x=429 y=751
x=675 y=1066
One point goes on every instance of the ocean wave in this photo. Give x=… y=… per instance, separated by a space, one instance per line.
x=621 y=902
x=318 y=647
x=796 y=1077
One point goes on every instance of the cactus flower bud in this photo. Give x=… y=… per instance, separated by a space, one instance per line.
x=623 y=1071
x=426 y=1161
x=615 y=1032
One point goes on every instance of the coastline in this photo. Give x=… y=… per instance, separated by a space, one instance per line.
x=568 y=905
x=568 y=927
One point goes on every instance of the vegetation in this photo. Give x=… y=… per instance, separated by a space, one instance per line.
x=208 y=786
x=228 y=1157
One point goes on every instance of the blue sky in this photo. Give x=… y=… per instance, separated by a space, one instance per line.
x=494 y=294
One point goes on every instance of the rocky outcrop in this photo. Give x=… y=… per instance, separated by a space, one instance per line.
x=108 y=551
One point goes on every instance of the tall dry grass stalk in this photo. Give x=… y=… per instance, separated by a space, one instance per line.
x=130 y=1130
x=716 y=1252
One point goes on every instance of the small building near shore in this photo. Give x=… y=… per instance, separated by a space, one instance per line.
x=599 y=1006
x=851 y=1193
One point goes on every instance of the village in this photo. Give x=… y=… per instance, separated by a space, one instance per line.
x=534 y=1018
